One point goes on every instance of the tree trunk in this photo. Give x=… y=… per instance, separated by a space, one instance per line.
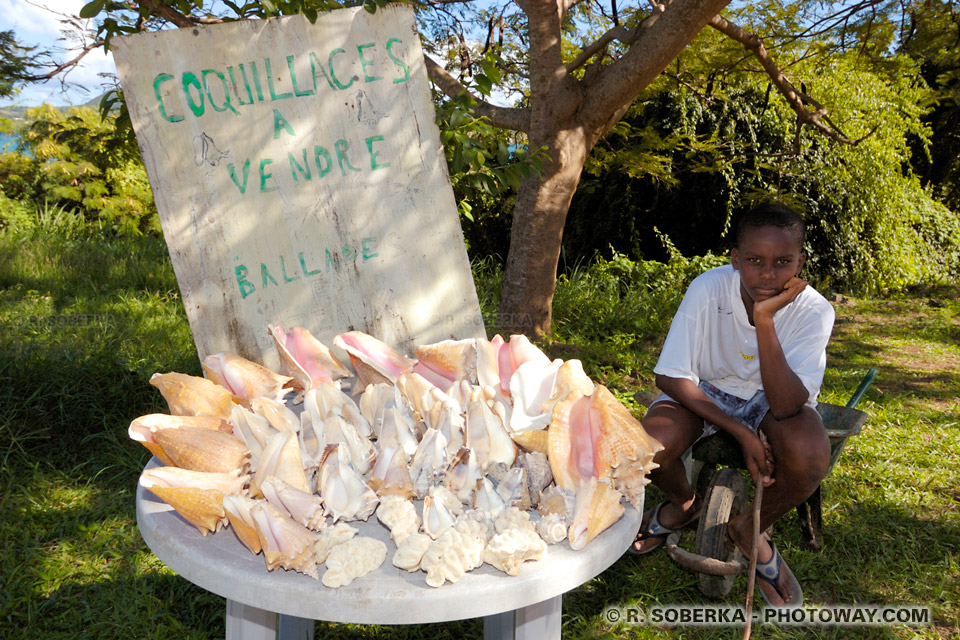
x=568 y=116
x=530 y=278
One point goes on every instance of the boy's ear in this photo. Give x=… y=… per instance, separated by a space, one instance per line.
x=800 y=262
x=735 y=259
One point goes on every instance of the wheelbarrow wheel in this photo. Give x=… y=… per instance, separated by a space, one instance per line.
x=725 y=497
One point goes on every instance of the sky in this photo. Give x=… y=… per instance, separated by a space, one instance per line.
x=37 y=23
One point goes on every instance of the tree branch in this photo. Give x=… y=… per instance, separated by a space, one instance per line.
x=165 y=11
x=503 y=117
x=797 y=100
x=614 y=33
x=63 y=66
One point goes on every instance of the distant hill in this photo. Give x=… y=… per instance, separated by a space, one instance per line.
x=18 y=113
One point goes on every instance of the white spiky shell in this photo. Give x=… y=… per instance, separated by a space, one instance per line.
x=511 y=548
x=410 y=551
x=353 y=559
x=399 y=515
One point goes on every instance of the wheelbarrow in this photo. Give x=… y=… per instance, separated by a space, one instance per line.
x=724 y=494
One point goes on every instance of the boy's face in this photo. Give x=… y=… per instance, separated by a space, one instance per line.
x=767 y=258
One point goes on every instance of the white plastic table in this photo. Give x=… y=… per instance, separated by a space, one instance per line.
x=264 y=605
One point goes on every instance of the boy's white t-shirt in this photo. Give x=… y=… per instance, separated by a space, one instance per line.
x=711 y=338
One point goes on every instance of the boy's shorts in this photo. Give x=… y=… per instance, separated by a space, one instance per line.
x=749 y=412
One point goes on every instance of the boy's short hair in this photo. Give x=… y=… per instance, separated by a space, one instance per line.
x=771 y=215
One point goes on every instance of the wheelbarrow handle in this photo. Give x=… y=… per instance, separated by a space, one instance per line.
x=698 y=563
x=862 y=388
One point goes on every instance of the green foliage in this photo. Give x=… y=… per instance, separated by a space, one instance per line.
x=81 y=162
x=17 y=64
x=687 y=157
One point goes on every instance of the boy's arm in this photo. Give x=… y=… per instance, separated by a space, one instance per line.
x=785 y=391
x=758 y=458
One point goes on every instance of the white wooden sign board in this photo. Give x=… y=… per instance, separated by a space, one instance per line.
x=299 y=177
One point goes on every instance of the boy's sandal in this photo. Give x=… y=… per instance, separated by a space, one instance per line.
x=657 y=531
x=773 y=571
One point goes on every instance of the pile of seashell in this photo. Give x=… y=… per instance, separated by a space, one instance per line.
x=481 y=433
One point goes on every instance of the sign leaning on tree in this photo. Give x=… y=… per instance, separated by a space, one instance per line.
x=299 y=178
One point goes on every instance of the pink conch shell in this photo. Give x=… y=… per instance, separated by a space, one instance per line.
x=144 y=429
x=597 y=507
x=374 y=360
x=286 y=544
x=243 y=378
x=595 y=436
x=189 y=395
x=308 y=360
x=448 y=361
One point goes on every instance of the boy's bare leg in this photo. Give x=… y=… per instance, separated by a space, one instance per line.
x=801 y=454
x=677 y=429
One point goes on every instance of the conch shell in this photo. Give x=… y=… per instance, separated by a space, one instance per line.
x=590 y=436
x=486 y=435
x=530 y=388
x=188 y=395
x=374 y=360
x=346 y=496
x=144 y=428
x=390 y=475
x=241 y=520
x=203 y=449
x=448 y=361
x=285 y=543
x=281 y=458
x=244 y=378
x=304 y=507
x=553 y=528
x=195 y=495
x=597 y=507
x=305 y=358
x=436 y=517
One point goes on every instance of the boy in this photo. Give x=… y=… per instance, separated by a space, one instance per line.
x=745 y=352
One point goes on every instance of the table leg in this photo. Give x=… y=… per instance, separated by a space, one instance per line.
x=294 y=628
x=540 y=621
x=250 y=623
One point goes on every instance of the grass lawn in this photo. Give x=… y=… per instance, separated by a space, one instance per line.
x=87 y=321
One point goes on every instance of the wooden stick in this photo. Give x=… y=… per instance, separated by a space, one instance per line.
x=752 y=572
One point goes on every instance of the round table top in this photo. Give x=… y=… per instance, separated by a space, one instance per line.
x=221 y=564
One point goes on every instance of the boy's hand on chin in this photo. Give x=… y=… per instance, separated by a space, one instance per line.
x=790 y=292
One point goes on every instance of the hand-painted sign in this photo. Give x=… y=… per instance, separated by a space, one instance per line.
x=299 y=177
